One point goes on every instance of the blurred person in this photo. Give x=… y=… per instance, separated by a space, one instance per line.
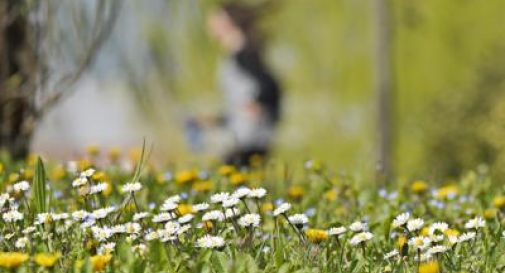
x=252 y=96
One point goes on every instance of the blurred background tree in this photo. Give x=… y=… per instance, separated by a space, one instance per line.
x=45 y=47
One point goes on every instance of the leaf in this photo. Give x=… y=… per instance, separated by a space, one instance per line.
x=39 y=188
x=246 y=264
x=284 y=268
x=220 y=262
x=141 y=163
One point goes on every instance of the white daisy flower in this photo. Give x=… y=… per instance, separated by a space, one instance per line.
x=467 y=236
x=106 y=248
x=230 y=202
x=249 y=220
x=186 y=218
x=101 y=234
x=43 y=218
x=336 y=231
x=200 y=207
x=219 y=197
x=231 y=213
x=153 y=235
x=283 y=208
x=162 y=217
x=475 y=223
x=12 y=216
x=4 y=197
x=140 y=215
x=208 y=241
x=21 y=186
x=298 y=220
x=131 y=187
x=88 y=173
x=118 y=229
x=436 y=249
x=171 y=228
x=102 y=212
x=391 y=254
x=60 y=216
x=420 y=242
x=132 y=228
x=453 y=239
x=257 y=193
x=241 y=192
x=438 y=228
x=168 y=206
x=401 y=220
x=80 y=181
x=415 y=224
x=79 y=215
x=139 y=249
x=358 y=226
x=29 y=230
x=213 y=215
x=360 y=238
x=183 y=229
x=22 y=242
x=100 y=187
x=173 y=199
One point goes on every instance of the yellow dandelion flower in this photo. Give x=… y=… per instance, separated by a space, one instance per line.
x=2 y=168
x=430 y=267
x=99 y=262
x=31 y=159
x=113 y=154
x=186 y=176
x=499 y=202
x=84 y=164
x=108 y=190
x=316 y=235
x=226 y=170
x=58 y=173
x=425 y=231
x=447 y=192
x=92 y=150
x=419 y=187
x=340 y=211
x=28 y=174
x=12 y=259
x=296 y=192
x=46 y=259
x=203 y=186
x=490 y=213
x=207 y=225
x=134 y=154
x=99 y=176
x=237 y=179
x=13 y=177
x=267 y=207
x=184 y=209
x=331 y=195
x=451 y=232
x=401 y=242
x=160 y=179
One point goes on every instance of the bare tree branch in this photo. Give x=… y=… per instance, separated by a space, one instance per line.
x=103 y=25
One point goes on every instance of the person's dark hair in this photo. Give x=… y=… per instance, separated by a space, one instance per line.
x=246 y=17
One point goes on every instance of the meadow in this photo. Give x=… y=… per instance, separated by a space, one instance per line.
x=128 y=216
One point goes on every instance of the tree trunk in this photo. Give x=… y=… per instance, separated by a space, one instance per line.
x=384 y=89
x=17 y=79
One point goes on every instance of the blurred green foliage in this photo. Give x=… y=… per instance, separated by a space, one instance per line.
x=449 y=71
